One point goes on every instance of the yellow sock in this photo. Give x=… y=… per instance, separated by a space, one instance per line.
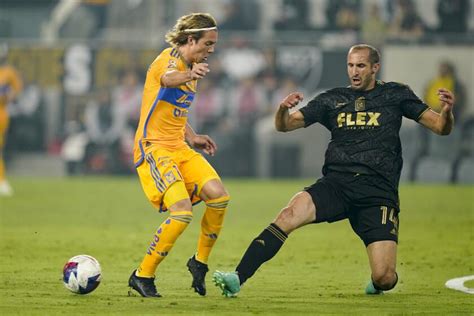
x=211 y=225
x=163 y=240
x=2 y=168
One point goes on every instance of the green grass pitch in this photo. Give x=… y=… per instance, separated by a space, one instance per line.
x=322 y=269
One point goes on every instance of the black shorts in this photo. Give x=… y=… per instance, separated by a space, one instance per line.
x=368 y=201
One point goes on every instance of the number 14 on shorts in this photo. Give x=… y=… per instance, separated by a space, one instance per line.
x=392 y=217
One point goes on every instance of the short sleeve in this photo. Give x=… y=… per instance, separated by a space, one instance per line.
x=315 y=110
x=164 y=62
x=412 y=107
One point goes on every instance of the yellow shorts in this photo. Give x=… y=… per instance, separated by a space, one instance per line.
x=186 y=170
x=3 y=125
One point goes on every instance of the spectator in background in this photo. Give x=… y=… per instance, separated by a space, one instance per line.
x=27 y=119
x=406 y=23
x=126 y=101
x=287 y=86
x=10 y=87
x=208 y=106
x=343 y=15
x=240 y=15
x=446 y=78
x=240 y=60
x=104 y=125
x=249 y=100
x=269 y=86
x=293 y=15
x=127 y=97
x=374 y=28
x=87 y=19
x=453 y=16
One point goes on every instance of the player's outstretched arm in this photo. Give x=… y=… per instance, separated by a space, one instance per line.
x=175 y=78
x=441 y=123
x=203 y=142
x=284 y=121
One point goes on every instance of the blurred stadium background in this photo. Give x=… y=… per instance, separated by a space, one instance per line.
x=83 y=64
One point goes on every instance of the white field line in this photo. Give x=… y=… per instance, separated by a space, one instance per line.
x=458 y=284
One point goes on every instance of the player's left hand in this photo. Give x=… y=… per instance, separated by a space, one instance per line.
x=447 y=99
x=205 y=143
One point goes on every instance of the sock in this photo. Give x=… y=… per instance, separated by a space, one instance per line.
x=211 y=225
x=2 y=168
x=163 y=240
x=262 y=249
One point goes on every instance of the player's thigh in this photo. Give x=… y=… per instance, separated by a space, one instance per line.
x=161 y=180
x=375 y=223
x=197 y=172
x=300 y=211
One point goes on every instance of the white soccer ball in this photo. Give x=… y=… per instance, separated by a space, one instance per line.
x=82 y=274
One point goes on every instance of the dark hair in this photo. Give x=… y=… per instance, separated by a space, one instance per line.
x=178 y=35
x=374 y=55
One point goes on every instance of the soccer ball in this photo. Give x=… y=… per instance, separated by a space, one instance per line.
x=82 y=274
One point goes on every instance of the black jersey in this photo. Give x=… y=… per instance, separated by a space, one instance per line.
x=365 y=127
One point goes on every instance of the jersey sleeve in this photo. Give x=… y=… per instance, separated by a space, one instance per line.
x=315 y=110
x=412 y=107
x=165 y=62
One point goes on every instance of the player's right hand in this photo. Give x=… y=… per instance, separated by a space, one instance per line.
x=199 y=70
x=292 y=100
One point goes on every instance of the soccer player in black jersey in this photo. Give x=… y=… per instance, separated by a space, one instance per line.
x=361 y=171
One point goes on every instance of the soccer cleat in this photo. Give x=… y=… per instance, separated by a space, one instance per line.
x=144 y=286
x=198 y=271
x=228 y=282
x=371 y=290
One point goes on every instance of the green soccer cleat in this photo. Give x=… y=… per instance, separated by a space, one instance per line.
x=228 y=282
x=371 y=290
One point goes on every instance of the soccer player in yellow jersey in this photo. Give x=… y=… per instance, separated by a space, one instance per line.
x=174 y=176
x=10 y=86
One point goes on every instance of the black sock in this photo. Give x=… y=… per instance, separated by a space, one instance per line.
x=262 y=249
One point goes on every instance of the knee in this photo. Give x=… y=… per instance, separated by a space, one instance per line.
x=286 y=219
x=385 y=279
x=183 y=205
x=220 y=202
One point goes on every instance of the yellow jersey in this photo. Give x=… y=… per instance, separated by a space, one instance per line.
x=164 y=111
x=9 y=80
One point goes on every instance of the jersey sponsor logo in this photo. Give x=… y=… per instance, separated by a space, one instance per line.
x=176 y=96
x=359 y=119
x=360 y=104
x=184 y=100
x=180 y=112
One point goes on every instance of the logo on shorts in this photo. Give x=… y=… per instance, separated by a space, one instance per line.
x=170 y=177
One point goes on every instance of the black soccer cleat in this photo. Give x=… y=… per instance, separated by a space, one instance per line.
x=144 y=286
x=198 y=271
